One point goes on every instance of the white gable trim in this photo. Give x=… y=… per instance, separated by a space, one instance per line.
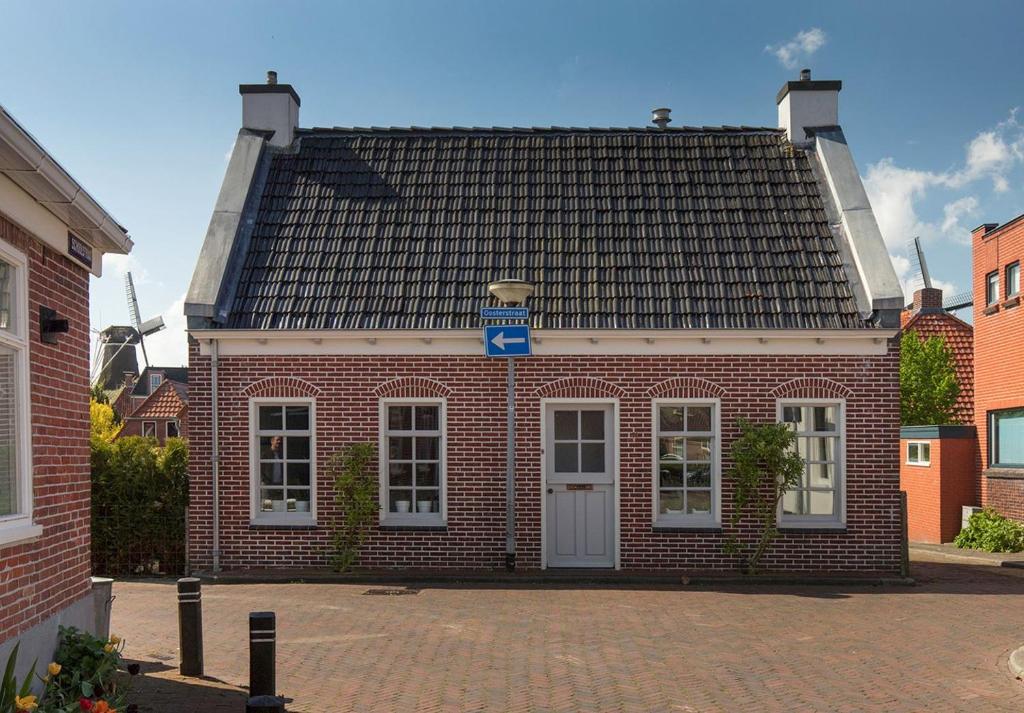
x=865 y=342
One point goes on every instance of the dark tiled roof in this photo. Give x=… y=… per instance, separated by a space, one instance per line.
x=171 y=373
x=619 y=228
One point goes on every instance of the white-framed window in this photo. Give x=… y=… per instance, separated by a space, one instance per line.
x=283 y=460
x=992 y=288
x=413 y=451
x=1012 y=279
x=149 y=429
x=687 y=462
x=154 y=381
x=818 y=500
x=173 y=430
x=919 y=453
x=15 y=435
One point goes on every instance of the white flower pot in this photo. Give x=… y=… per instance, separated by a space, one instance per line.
x=402 y=505
x=424 y=505
x=278 y=506
x=302 y=506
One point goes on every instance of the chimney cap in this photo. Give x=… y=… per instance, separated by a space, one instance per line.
x=270 y=88
x=806 y=84
x=660 y=117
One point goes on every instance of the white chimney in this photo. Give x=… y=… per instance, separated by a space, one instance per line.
x=271 y=107
x=807 y=104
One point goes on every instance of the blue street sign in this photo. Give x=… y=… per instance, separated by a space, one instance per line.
x=504 y=312
x=507 y=340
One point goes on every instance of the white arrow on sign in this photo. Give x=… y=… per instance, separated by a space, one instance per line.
x=500 y=341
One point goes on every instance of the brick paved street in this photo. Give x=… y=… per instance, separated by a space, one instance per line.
x=938 y=646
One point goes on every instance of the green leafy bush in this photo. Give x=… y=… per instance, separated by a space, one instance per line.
x=85 y=668
x=14 y=697
x=139 y=500
x=991 y=532
x=355 y=488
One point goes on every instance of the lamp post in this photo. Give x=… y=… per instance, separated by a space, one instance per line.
x=510 y=293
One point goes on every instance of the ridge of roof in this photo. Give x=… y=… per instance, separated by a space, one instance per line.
x=491 y=130
x=157 y=394
x=944 y=314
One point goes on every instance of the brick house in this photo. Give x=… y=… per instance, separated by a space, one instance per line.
x=683 y=279
x=161 y=415
x=999 y=365
x=52 y=237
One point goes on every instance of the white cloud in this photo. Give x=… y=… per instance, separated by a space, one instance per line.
x=170 y=346
x=799 y=48
x=952 y=212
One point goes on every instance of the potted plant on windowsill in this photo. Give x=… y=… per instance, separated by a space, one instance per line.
x=424 y=506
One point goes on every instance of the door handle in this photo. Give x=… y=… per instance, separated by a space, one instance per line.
x=550 y=491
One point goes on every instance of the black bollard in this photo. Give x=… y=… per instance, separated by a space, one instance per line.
x=262 y=657
x=190 y=626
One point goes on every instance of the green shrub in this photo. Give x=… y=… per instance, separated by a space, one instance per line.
x=989 y=531
x=355 y=488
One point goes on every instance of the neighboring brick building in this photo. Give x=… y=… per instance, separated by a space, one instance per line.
x=161 y=415
x=52 y=235
x=999 y=364
x=684 y=278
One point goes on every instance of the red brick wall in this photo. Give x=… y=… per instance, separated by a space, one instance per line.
x=41 y=577
x=133 y=427
x=937 y=492
x=347 y=405
x=998 y=357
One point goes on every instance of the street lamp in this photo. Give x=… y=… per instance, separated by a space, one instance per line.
x=510 y=293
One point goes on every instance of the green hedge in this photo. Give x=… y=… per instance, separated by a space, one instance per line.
x=139 y=501
x=989 y=531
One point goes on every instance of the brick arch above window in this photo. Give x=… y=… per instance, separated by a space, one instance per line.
x=580 y=387
x=281 y=387
x=686 y=387
x=810 y=387
x=412 y=387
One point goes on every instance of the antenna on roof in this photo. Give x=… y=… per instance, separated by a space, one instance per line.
x=150 y=326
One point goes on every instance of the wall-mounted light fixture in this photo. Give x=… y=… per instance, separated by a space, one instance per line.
x=50 y=326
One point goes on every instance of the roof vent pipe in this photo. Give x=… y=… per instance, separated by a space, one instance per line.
x=805 y=75
x=272 y=76
x=660 y=117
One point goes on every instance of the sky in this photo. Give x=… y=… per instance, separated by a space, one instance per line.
x=139 y=100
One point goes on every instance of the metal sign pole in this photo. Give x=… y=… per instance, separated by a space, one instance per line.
x=510 y=471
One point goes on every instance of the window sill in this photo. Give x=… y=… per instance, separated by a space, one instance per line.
x=1012 y=302
x=11 y=534
x=812 y=528
x=283 y=523
x=413 y=522
x=992 y=309
x=1005 y=472
x=919 y=465
x=425 y=527
x=684 y=527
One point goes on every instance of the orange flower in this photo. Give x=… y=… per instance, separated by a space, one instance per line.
x=103 y=707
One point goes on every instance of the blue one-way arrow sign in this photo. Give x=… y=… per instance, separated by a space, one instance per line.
x=507 y=340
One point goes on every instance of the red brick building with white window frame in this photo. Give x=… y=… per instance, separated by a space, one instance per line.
x=52 y=236
x=684 y=279
x=999 y=364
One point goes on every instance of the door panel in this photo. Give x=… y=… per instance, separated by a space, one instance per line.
x=579 y=453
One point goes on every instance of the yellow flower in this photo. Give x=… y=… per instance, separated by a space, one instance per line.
x=115 y=640
x=28 y=703
x=53 y=668
x=108 y=648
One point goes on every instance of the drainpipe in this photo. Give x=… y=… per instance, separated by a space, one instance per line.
x=215 y=451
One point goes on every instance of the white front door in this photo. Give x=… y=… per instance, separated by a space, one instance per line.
x=579 y=472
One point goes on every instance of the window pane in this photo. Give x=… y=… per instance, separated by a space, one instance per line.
x=426 y=474
x=400 y=474
x=565 y=425
x=992 y=288
x=912 y=452
x=698 y=449
x=592 y=425
x=1009 y=428
x=272 y=473
x=8 y=441
x=172 y=429
x=6 y=296
x=824 y=418
x=822 y=475
x=400 y=418
x=401 y=501
x=698 y=501
x=698 y=418
x=671 y=418
x=817 y=448
x=428 y=418
x=298 y=474
x=400 y=448
x=271 y=447
x=427 y=501
x=270 y=418
x=592 y=457
x=926 y=452
x=671 y=502
x=821 y=503
x=272 y=500
x=296 y=418
x=671 y=448
x=1012 y=280
x=671 y=475
x=698 y=475
x=566 y=458
x=794 y=415
x=793 y=502
x=427 y=447
x=298 y=500
x=297 y=447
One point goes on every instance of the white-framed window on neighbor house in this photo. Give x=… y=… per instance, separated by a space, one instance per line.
x=15 y=435
x=154 y=382
x=687 y=463
x=992 y=288
x=149 y=429
x=818 y=500
x=919 y=453
x=283 y=460
x=412 y=462
x=1012 y=279
x=172 y=429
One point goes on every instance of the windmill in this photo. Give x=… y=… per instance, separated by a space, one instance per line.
x=950 y=304
x=143 y=329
